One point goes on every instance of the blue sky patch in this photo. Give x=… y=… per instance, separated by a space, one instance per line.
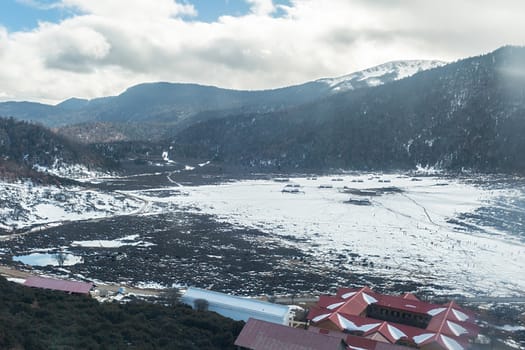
x=210 y=11
x=19 y=15
x=24 y=15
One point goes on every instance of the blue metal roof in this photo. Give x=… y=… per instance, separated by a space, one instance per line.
x=238 y=308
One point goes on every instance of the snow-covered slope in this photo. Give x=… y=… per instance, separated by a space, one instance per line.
x=25 y=204
x=414 y=233
x=380 y=75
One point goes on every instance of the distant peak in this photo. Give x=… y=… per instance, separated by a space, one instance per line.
x=73 y=103
x=381 y=74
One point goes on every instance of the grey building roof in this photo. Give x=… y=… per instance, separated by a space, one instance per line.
x=238 y=308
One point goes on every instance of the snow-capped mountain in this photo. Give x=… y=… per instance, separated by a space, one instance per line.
x=175 y=102
x=380 y=75
x=463 y=115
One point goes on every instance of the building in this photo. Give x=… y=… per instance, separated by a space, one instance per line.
x=356 y=342
x=71 y=287
x=262 y=335
x=238 y=308
x=401 y=320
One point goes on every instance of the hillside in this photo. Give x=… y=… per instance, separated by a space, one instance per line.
x=26 y=147
x=176 y=103
x=469 y=114
x=38 y=319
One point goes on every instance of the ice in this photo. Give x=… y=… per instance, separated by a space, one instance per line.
x=16 y=280
x=116 y=243
x=407 y=234
x=49 y=259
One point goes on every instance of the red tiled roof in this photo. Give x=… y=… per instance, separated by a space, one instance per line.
x=410 y=296
x=356 y=300
x=405 y=304
x=356 y=342
x=452 y=320
x=450 y=325
x=329 y=300
x=445 y=342
x=61 y=285
x=261 y=335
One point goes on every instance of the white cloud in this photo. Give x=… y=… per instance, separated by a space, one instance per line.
x=38 y=5
x=131 y=9
x=262 y=7
x=110 y=45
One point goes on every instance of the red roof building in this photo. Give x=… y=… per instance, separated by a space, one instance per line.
x=60 y=285
x=402 y=320
x=355 y=342
x=262 y=335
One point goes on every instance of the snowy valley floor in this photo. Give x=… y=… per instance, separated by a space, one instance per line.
x=428 y=234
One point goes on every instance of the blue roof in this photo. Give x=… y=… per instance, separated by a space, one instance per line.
x=238 y=308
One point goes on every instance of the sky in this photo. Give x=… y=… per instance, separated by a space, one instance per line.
x=51 y=50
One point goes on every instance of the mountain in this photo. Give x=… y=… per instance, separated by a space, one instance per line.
x=379 y=75
x=73 y=104
x=30 y=111
x=26 y=148
x=186 y=103
x=468 y=114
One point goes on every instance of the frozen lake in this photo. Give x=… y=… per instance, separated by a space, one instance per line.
x=425 y=229
x=434 y=233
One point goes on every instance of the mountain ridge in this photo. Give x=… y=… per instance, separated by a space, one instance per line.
x=468 y=114
x=174 y=102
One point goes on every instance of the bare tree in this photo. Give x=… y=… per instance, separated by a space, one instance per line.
x=61 y=258
x=171 y=296
x=201 y=304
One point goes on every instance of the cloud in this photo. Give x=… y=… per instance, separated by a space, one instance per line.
x=107 y=46
x=38 y=4
x=131 y=9
x=262 y=7
x=78 y=49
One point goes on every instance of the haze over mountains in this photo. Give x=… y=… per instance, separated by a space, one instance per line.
x=172 y=102
x=468 y=114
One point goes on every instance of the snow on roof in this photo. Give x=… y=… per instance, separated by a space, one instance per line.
x=404 y=303
x=449 y=326
x=456 y=328
x=236 y=307
x=450 y=343
x=357 y=342
x=446 y=321
x=460 y=315
x=320 y=317
x=396 y=332
x=60 y=285
x=334 y=306
x=261 y=335
x=348 y=295
x=418 y=339
x=436 y=311
x=445 y=342
x=410 y=296
x=364 y=325
x=368 y=298
x=326 y=300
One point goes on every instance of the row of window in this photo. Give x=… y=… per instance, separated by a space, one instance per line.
x=413 y=319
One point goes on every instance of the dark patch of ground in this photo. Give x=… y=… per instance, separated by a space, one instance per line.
x=190 y=249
